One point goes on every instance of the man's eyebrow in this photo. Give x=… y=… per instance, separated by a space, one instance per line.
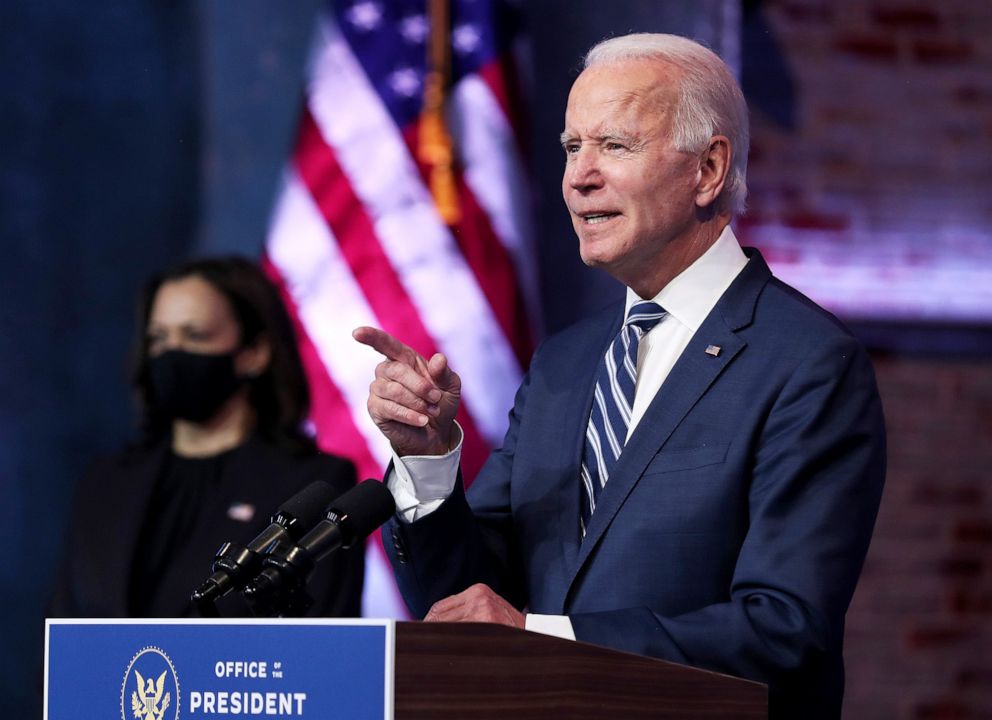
x=602 y=135
x=613 y=133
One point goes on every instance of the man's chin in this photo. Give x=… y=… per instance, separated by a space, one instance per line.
x=590 y=261
x=593 y=259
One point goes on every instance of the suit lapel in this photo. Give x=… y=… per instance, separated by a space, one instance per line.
x=580 y=367
x=693 y=373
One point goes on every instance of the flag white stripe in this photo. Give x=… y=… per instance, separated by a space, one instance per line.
x=372 y=153
x=329 y=301
x=488 y=149
x=380 y=596
x=330 y=304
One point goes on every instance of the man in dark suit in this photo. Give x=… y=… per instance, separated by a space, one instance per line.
x=694 y=475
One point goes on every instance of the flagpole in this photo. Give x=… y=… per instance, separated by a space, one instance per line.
x=435 y=146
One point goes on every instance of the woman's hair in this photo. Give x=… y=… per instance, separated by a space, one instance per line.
x=279 y=395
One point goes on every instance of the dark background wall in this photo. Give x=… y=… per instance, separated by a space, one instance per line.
x=99 y=184
x=135 y=133
x=888 y=151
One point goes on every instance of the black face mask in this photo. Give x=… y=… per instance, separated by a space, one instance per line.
x=191 y=386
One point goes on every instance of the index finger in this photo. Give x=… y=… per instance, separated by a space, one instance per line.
x=385 y=344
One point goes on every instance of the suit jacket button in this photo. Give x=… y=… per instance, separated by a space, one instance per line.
x=399 y=546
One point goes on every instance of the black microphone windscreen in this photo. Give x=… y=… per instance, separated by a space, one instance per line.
x=365 y=507
x=308 y=505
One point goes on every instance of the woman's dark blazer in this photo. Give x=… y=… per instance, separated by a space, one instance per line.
x=115 y=499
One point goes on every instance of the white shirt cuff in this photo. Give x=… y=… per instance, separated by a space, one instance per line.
x=420 y=483
x=557 y=625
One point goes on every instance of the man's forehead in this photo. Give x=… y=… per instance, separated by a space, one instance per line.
x=626 y=82
x=606 y=98
x=640 y=72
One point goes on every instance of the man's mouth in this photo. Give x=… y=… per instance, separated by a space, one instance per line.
x=595 y=218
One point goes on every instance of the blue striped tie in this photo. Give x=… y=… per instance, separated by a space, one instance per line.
x=612 y=404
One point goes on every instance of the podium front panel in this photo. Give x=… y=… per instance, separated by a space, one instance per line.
x=170 y=669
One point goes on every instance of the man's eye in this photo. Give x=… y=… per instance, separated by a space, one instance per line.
x=571 y=148
x=614 y=146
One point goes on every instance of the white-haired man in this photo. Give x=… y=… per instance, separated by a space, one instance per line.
x=693 y=475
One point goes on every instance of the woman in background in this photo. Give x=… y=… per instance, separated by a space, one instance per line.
x=223 y=399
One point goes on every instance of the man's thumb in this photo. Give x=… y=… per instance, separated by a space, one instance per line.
x=441 y=374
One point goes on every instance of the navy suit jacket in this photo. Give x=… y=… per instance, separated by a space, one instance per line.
x=733 y=528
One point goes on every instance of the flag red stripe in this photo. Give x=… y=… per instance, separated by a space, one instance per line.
x=329 y=412
x=336 y=430
x=487 y=258
x=503 y=80
x=493 y=268
x=371 y=267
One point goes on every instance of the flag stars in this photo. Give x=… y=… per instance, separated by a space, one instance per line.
x=365 y=15
x=465 y=39
x=414 y=29
x=405 y=82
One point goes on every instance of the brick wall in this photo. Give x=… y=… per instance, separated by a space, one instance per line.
x=870 y=173
x=919 y=632
x=874 y=199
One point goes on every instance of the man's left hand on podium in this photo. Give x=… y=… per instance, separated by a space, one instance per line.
x=476 y=604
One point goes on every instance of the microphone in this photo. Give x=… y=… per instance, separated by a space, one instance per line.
x=235 y=565
x=349 y=520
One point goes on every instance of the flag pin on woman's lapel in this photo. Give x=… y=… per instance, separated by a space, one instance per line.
x=241 y=511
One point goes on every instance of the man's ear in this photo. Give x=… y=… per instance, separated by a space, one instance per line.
x=714 y=164
x=254 y=359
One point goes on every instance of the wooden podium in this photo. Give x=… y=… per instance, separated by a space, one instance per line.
x=475 y=671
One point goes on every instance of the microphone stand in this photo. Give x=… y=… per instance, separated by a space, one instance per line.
x=206 y=608
x=282 y=593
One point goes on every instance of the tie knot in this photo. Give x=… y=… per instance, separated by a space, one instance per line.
x=645 y=315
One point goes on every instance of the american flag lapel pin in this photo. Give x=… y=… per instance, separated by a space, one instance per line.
x=713 y=350
x=241 y=511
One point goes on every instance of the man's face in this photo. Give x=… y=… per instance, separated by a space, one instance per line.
x=629 y=192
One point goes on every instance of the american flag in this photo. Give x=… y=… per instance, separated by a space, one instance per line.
x=406 y=206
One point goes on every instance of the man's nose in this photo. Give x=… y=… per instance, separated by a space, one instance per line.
x=582 y=172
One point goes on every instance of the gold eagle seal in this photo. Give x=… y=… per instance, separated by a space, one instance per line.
x=150 y=696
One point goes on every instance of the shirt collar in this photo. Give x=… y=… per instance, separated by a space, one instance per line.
x=691 y=294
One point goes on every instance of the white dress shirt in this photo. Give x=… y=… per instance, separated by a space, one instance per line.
x=421 y=483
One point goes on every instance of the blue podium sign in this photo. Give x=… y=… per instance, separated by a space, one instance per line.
x=171 y=669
